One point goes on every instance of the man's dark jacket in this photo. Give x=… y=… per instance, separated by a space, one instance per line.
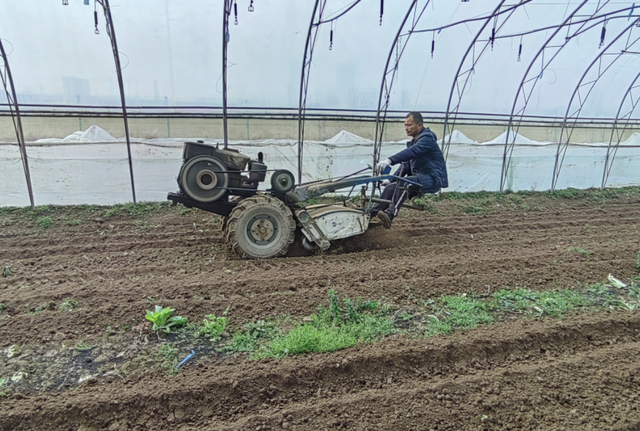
x=423 y=158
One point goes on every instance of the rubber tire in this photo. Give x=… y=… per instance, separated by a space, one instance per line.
x=192 y=190
x=260 y=206
x=280 y=176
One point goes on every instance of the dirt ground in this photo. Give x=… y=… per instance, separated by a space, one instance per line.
x=580 y=372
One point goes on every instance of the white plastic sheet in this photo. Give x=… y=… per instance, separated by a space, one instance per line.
x=72 y=171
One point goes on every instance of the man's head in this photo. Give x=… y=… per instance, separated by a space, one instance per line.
x=413 y=124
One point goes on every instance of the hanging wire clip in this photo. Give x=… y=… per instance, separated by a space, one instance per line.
x=603 y=33
x=235 y=12
x=520 y=49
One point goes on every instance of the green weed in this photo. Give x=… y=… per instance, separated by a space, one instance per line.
x=341 y=325
x=308 y=338
x=638 y=262
x=2 y=308
x=252 y=336
x=44 y=222
x=213 y=326
x=161 y=319
x=7 y=272
x=458 y=312
x=554 y=303
x=425 y=203
x=167 y=355
x=134 y=210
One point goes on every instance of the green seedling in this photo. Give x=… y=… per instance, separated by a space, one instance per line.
x=161 y=319
x=7 y=272
x=213 y=326
x=2 y=307
x=638 y=262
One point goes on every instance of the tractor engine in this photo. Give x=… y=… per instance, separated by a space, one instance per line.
x=209 y=174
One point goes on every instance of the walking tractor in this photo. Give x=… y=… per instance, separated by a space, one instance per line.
x=260 y=224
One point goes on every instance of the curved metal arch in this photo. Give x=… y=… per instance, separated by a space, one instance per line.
x=608 y=162
x=447 y=142
x=13 y=104
x=562 y=145
x=385 y=86
x=111 y=32
x=304 y=78
x=508 y=146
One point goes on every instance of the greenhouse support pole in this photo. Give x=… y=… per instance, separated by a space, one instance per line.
x=17 y=122
x=302 y=99
x=225 y=41
x=114 y=45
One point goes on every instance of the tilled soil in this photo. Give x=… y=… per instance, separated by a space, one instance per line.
x=578 y=372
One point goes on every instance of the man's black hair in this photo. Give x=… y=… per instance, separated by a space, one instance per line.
x=417 y=117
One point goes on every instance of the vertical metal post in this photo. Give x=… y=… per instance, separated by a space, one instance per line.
x=116 y=56
x=17 y=121
x=304 y=81
x=225 y=32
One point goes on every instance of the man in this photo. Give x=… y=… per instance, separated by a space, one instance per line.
x=421 y=162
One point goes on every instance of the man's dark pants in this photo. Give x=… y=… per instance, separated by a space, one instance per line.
x=398 y=192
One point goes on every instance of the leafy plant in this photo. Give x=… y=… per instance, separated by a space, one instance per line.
x=6 y=272
x=638 y=262
x=2 y=307
x=44 y=222
x=161 y=319
x=213 y=326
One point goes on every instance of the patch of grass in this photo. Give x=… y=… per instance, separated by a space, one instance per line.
x=39 y=210
x=425 y=202
x=457 y=312
x=213 y=326
x=44 y=222
x=68 y=304
x=638 y=261
x=581 y=251
x=343 y=324
x=309 y=338
x=4 y=211
x=253 y=336
x=162 y=320
x=134 y=210
x=554 y=303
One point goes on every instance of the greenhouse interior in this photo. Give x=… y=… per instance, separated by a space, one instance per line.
x=100 y=96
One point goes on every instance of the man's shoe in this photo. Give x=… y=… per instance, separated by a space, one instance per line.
x=385 y=219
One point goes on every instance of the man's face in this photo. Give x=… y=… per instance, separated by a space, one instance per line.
x=412 y=128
